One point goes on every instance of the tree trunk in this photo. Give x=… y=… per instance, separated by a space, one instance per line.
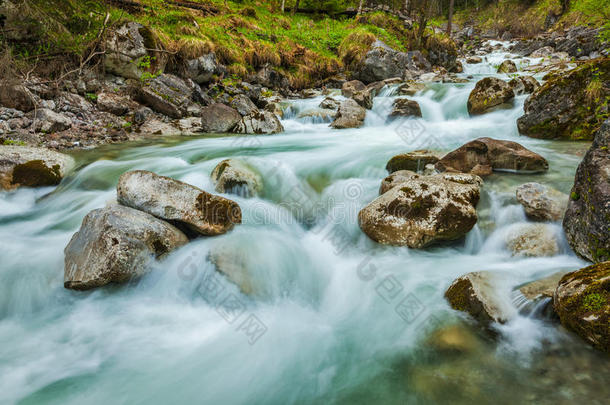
x=296 y=6
x=450 y=17
x=360 y=7
x=283 y=5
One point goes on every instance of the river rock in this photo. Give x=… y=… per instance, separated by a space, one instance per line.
x=587 y=217
x=17 y=96
x=582 y=301
x=474 y=60
x=243 y=105
x=349 y=115
x=403 y=107
x=236 y=177
x=541 y=288
x=483 y=155
x=329 y=103
x=383 y=62
x=166 y=94
x=507 y=66
x=401 y=176
x=202 y=69
x=219 y=118
x=128 y=52
x=421 y=210
x=115 y=244
x=113 y=103
x=542 y=203
x=489 y=93
x=356 y=90
x=27 y=166
x=476 y=294
x=568 y=105
x=532 y=240
x=414 y=161
x=261 y=122
x=441 y=51
x=48 y=121
x=524 y=84
x=179 y=203
x=410 y=88
x=542 y=52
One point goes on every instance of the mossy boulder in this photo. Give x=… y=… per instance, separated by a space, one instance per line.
x=414 y=161
x=488 y=94
x=587 y=220
x=507 y=66
x=24 y=166
x=524 y=84
x=582 y=301
x=569 y=105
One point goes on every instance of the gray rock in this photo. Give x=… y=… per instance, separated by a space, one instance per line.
x=383 y=62
x=329 y=103
x=17 y=96
x=349 y=115
x=542 y=203
x=507 y=66
x=166 y=94
x=524 y=84
x=541 y=288
x=489 y=93
x=182 y=204
x=115 y=244
x=532 y=240
x=356 y=90
x=113 y=103
x=262 y=122
x=219 y=118
x=403 y=107
x=48 y=121
x=202 y=69
x=236 y=177
x=243 y=105
x=32 y=167
x=414 y=161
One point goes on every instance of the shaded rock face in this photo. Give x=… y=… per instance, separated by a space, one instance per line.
x=127 y=52
x=243 y=105
x=568 y=105
x=166 y=94
x=403 y=107
x=356 y=90
x=383 y=62
x=270 y=77
x=421 y=210
x=113 y=103
x=476 y=294
x=524 y=85
x=329 y=103
x=483 y=155
x=442 y=53
x=582 y=301
x=489 y=93
x=115 y=244
x=183 y=205
x=203 y=69
x=349 y=115
x=261 y=122
x=234 y=176
x=414 y=161
x=17 y=96
x=533 y=240
x=542 y=203
x=507 y=66
x=48 y=121
x=219 y=118
x=586 y=220
x=25 y=166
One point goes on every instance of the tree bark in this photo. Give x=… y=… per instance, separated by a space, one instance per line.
x=283 y=5
x=296 y=6
x=360 y=7
x=449 y=20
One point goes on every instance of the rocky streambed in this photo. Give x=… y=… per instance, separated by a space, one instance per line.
x=391 y=241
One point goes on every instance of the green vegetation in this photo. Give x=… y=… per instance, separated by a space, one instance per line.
x=13 y=142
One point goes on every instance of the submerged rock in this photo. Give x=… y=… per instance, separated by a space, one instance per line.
x=421 y=210
x=414 y=161
x=234 y=176
x=261 y=122
x=115 y=244
x=403 y=107
x=588 y=215
x=569 y=105
x=219 y=118
x=476 y=294
x=26 y=166
x=349 y=115
x=182 y=204
x=533 y=240
x=582 y=301
x=489 y=93
x=483 y=155
x=542 y=203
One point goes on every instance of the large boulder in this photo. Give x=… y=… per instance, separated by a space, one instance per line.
x=17 y=96
x=25 y=166
x=569 y=105
x=260 y=122
x=483 y=155
x=421 y=210
x=588 y=214
x=442 y=51
x=219 y=118
x=477 y=294
x=489 y=93
x=202 y=69
x=184 y=205
x=402 y=176
x=359 y=92
x=243 y=105
x=48 y=121
x=532 y=240
x=542 y=203
x=349 y=115
x=166 y=94
x=236 y=177
x=507 y=66
x=414 y=161
x=582 y=301
x=383 y=62
x=115 y=244
x=129 y=52
x=524 y=85
x=403 y=107
x=113 y=103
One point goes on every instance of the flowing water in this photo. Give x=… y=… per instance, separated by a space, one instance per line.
x=337 y=318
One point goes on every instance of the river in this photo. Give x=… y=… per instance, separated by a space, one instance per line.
x=337 y=317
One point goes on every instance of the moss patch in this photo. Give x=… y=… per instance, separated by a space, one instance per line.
x=36 y=173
